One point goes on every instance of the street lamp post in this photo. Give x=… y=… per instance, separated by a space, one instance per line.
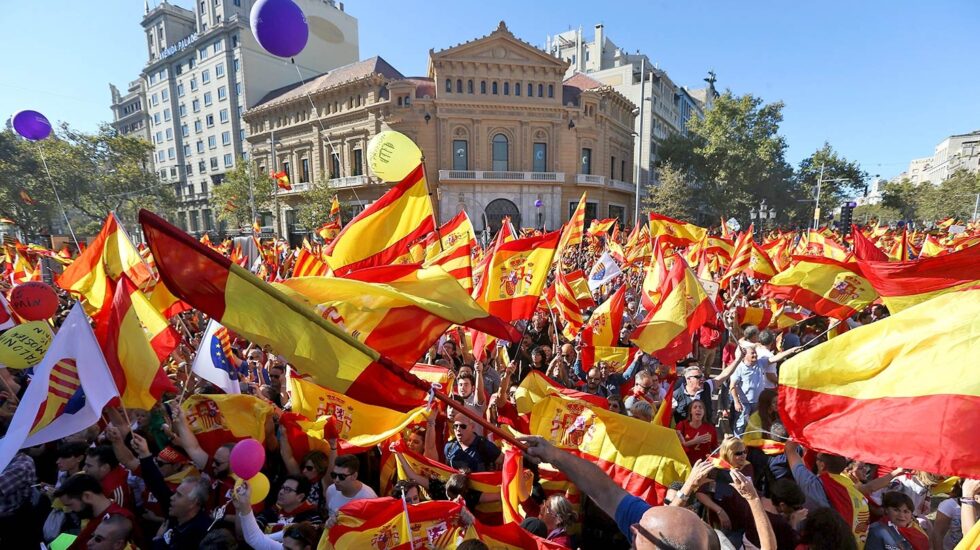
x=763 y=214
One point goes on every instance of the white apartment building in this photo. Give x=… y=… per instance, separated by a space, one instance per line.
x=957 y=152
x=129 y=111
x=204 y=69
x=663 y=106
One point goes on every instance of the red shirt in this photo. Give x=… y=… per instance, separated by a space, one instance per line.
x=700 y=451
x=114 y=509
x=116 y=488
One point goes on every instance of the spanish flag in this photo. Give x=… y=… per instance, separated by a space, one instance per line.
x=391 y=524
x=675 y=232
x=458 y=262
x=606 y=321
x=516 y=276
x=379 y=306
x=827 y=287
x=509 y=536
x=971 y=541
x=617 y=358
x=668 y=329
x=219 y=419
x=758 y=316
x=641 y=457
x=537 y=387
x=931 y=248
x=135 y=339
x=656 y=274
x=308 y=265
x=457 y=232
x=165 y=302
x=921 y=362
x=359 y=424
x=571 y=234
x=665 y=412
x=110 y=256
x=258 y=312
x=328 y=231
x=384 y=231
x=335 y=207
x=904 y=284
x=282 y=180
x=601 y=227
x=510 y=485
x=865 y=248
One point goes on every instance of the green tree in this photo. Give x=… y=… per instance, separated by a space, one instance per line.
x=902 y=196
x=736 y=156
x=25 y=194
x=842 y=179
x=870 y=213
x=674 y=196
x=231 y=199
x=314 y=210
x=954 y=197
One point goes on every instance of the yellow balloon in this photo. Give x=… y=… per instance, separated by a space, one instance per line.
x=259 y=485
x=392 y=155
x=24 y=345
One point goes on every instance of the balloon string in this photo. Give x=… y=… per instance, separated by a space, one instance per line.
x=44 y=163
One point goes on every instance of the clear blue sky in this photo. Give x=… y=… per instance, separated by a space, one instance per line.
x=883 y=81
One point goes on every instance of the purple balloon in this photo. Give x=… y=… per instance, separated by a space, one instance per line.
x=247 y=458
x=280 y=27
x=538 y=203
x=32 y=125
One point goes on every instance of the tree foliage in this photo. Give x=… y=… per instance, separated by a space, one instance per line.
x=841 y=179
x=927 y=202
x=674 y=196
x=314 y=210
x=94 y=174
x=232 y=198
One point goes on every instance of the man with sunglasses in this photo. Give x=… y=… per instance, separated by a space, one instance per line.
x=291 y=506
x=83 y=495
x=469 y=450
x=346 y=486
x=112 y=534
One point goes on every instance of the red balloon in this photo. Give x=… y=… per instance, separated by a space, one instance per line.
x=34 y=301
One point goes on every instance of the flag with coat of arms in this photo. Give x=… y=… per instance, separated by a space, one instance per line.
x=214 y=361
x=604 y=270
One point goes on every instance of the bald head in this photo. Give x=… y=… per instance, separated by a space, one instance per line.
x=673 y=528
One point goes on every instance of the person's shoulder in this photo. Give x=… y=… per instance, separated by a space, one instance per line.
x=949 y=507
x=366 y=492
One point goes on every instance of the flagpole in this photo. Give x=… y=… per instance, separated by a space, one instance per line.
x=432 y=203
x=44 y=163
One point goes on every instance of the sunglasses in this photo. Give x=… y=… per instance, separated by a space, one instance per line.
x=696 y=376
x=740 y=453
x=340 y=477
x=646 y=388
x=460 y=426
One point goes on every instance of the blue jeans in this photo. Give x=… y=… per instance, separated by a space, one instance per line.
x=743 y=418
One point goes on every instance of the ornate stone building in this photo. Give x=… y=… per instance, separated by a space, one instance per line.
x=499 y=127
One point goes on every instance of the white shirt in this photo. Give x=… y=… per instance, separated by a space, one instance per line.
x=336 y=499
x=951 y=508
x=768 y=368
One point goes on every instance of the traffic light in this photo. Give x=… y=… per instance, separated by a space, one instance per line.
x=846 y=213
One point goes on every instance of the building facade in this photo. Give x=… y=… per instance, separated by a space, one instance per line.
x=204 y=69
x=499 y=126
x=664 y=107
x=129 y=116
x=957 y=152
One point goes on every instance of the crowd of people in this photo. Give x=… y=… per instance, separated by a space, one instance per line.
x=141 y=478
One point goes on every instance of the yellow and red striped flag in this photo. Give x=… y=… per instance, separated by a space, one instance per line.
x=135 y=339
x=308 y=265
x=516 y=275
x=458 y=262
x=282 y=180
x=675 y=232
x=567 y=305
x=606 y=320
x=218 y=419
x=262 y=314
x=601 y=227
x=165 y=302
x=904 y=284
x=827 y=287
x=383 y=232
x=668 y=329
x=748 y=258
x=393 y=525
x=335 y=208
x=573 y=231
x=510 y=485
x=110 y=256
x=861 y=377
x=761 y=317
x=665 y=412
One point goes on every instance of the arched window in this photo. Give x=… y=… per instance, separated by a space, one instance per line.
x=517 y=88
x=540 y=90
x=551 y=90
x=459 y=86
x=530 y=90
x=506 y=88
x=494 y=87
x=483 y=86
x=469 y=86
x=498 y=209
x=449 y=86
x=500 y=153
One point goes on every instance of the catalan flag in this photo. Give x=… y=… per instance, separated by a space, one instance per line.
x=378 y=306
x=675 y=232
x=571 y=234
x=750 y=259
x=568 y=308
x=110 y=256
x=384 y=231
x=257 y=311
x=827 y=287
x=308 y=265
x=904 y=284
x=641 y=457
x=862 y=377
x=516 y=276
x=668 y=329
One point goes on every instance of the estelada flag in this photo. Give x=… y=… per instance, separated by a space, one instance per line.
x=675 y=232
x=359 y=424
x=380 y=305
x=110 y=256
x=643 y=458
x=904 y=284
x=606 y=321
x=135 y=339
x=861 y=377
x=383 y=232
x=668 y=329
x=393 y=525
x=219 y=419
x=516 y=276
x=827 y=287
x=264 y=315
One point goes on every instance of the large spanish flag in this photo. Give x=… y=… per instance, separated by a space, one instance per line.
x=607 y=320
x=379 y=306
x=904 y=284
x=641 y=457
x=110 y=256
x=390 y=524
x=385 y=231
x=264 y=315
x=133 y=359
x=910 y=382
x=827 y=287
x=516 y=276
x=865 y=248
x=668 y=329
x=219 y=419
x=675 y=232
x=536 y=387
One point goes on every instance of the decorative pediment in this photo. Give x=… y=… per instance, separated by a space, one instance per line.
x=500 y=46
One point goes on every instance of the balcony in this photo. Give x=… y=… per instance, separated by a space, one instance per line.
x=590 y=179
x=298 y=187
x=347 y=182
x=623 y=186
x=487 y=175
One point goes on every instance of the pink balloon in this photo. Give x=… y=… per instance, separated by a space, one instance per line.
x=247 y=458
